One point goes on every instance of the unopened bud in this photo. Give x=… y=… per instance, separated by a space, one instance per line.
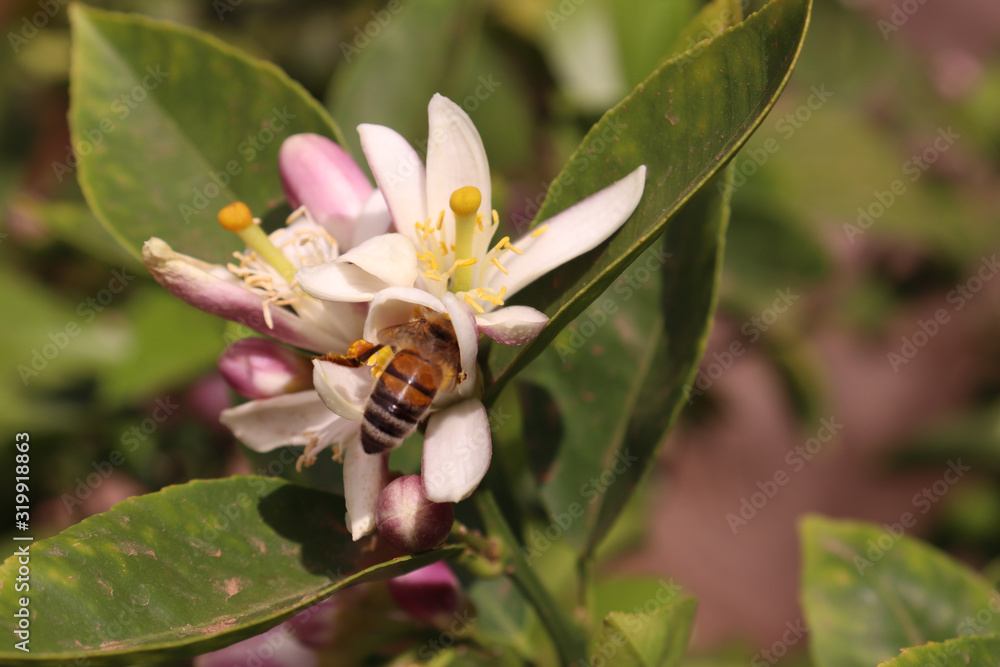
x=320 y=175
x=260 y=368
x=409 y=521
x=431 y=594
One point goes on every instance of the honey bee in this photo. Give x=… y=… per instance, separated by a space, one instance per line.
x=423 y=359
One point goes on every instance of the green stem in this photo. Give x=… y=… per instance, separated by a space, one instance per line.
x=568 y=637
x=483 y=556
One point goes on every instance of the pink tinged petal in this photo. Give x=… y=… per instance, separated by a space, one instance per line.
x=320 y=175
x=372 y=220
x=513 y=325
x=399 y=174
x=260 y=368
x=457 y=450
x=455 y=158
x=278 y=647
x=431 y=594
x=580 y=228
x=211 y=288
x=464 y=322
x=291 y=419
x=389 y=260
x=365 y=475
x=344 y=390
x=397 y=305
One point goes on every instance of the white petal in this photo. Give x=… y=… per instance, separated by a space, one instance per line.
x=457 y=450
x=513 y=325
x=372 y=220
x=365 y=475
x=389 y=257
x=388 y=260
x=464 y=322
x=291 y=419
x=455 y=158
x=397 y=305
x=344 y=390
x=580 y=228
x=399 y=174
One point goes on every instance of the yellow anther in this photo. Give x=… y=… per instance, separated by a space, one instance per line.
x=501 y=243
x=465 y=201
x=440 y=220
x=479 y=221
x=496 y=263
x=472 y=302
x=496 y=217
x=235 y=217
x=513 y=248
x=444 y=248
x=433 y=275
x=468 y=261
x=539 y=231
x=380 y=360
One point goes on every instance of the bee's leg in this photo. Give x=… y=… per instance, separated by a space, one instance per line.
x=358 y=353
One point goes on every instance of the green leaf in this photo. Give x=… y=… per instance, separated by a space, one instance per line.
x=869 y=591
x=684 y=122
x=657 y=639
x=389 y=78
x=952 y=653
x=187 y=570
x=170 y=125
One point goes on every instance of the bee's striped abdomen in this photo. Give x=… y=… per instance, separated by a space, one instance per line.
x=402 y=396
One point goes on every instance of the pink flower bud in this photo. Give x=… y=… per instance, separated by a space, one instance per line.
x=431 y=594
x=320 y=175
x=260 y=368
x=409 y=521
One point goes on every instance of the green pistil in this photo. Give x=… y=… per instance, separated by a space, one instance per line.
x=464 y=204
x=237 y=218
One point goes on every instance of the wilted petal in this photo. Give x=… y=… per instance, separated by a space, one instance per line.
x=211 y=288
x=455 y=157
x=320 y=175
x=260 y=368
x=574 y=231
x=365 y=475
x=399 y=174
x=464 y=323
x=513 y=325
x=291 y=419
x=431 y=594
x=457 y=451
x=343 y=389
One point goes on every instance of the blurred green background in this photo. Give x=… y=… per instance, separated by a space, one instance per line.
x=865 y=225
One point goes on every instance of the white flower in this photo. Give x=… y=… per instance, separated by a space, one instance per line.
x=445 y=224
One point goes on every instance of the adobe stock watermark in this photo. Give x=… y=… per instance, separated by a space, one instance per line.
x=752 y=329
x=120 y=108
x=30 y=25
x=130 y=441
x=639 y=274
x=795 y=459
x=540 y=541
x=248 y=149
x=755 y=158
x=586 y=156
x=900 y=14
x=562 y=12
x=958 y=297
x=924 y=501
x=59 y=339
x=794 y=632
x=363 y=36
x=912 y=169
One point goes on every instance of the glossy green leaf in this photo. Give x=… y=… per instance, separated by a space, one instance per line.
x=684 y=122
x=656 y=639
x=869 y=591
x=187 y=570
x=960 y=652
x=170 y=125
